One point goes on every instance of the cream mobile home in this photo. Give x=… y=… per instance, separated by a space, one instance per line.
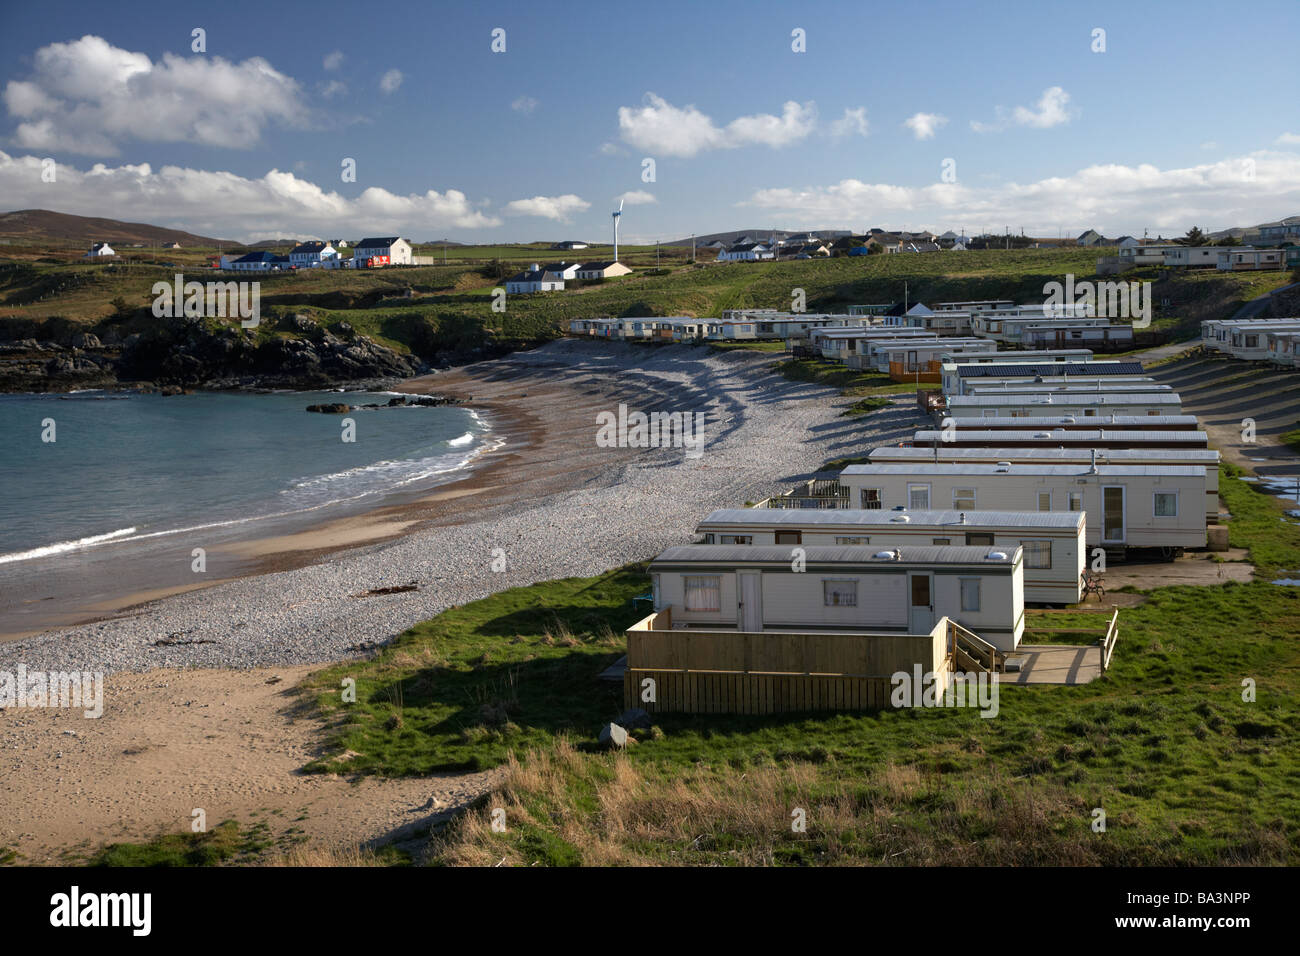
x=1059 y=438
x=843 y=589
x=1078 y=404
x=1206 y=458
x=1053 y=541
x=1128 y=506
x=971 y=370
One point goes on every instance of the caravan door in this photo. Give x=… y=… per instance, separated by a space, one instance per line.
x=750 y=595
x=1112 y=514
x=920 y=587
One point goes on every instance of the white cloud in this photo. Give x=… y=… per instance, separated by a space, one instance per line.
x=391 y=80
x=1289 y=139
x=853 y=121
x=1113 y=198
x=333 y=60
x=332 y=89
x=222 y=204
x=612 y=149
x=1051 y=110
x=86 y=95
x=525 y=104
x=1210 y=144
x=925 y=125
x=658 y=126
x=637 y=197
x=559 y=208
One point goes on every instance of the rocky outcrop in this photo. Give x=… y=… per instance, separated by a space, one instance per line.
x=186 y=353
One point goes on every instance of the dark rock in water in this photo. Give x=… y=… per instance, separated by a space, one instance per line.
x=635 y=719
x=335 y=408
x=171 y=390
x=395 y=402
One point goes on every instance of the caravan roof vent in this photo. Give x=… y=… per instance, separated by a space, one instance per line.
x=901 y=519
x=894 y=555
x=1004 y=466
x=1068 y=419
x=1042 y=434
x=996 y=556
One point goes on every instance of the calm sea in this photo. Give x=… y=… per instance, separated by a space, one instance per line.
x=129 y=475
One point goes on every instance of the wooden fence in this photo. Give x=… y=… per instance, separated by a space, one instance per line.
x=739 y=672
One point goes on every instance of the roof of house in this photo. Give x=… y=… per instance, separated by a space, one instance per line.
x=999 y=555
x=377 y=243
x=1049 y=369
x=261 y=256
x=536 y=275
x=307 y=248
x=857 y=517
x=596 y=266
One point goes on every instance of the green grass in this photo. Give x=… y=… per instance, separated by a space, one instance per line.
x=460 y=691
x=225 y=843
x=1292 y=439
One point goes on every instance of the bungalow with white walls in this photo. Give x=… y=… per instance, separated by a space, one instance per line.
x=99 y=249
x=534 y=279
x=1244 y=260
x=747 y=252
x=260 y=261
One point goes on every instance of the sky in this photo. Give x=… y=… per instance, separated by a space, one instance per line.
x=1043 y=117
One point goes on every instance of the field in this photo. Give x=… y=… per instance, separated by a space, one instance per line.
x=429 y=308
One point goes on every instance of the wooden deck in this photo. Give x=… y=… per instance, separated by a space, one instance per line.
x=1055 y=664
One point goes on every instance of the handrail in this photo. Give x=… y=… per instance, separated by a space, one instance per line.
x=1108 y=643
x=979 y=651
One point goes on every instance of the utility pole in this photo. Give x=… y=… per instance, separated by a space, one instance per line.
x=692 y=247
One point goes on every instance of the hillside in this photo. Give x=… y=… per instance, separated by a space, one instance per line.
x=36 y=225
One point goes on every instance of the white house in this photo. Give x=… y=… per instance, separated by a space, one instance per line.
x=746 y=252
x=534 y=279
x=260 y=262
x=383 y=251
x=565 y=270
x=100 y=249
x=310 y=255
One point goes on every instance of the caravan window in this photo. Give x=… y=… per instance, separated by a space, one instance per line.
x=871 y=498
x=918 y=497
x=1076 y=501
x=1044 y=501
x=970 y=594
x=963 y=499
x=1166 y=504
x=703 y=592
x=852 y=539
x=840 y=593
x=941 y=541
x=1038 y=553
x=789 y=537
x=978 y=539
x=736 y=539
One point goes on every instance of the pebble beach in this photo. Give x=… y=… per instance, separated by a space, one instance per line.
x=548 y=503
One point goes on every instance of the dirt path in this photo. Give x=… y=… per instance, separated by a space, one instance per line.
x=230 y=743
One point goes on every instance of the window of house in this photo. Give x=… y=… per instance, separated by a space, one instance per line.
x=918 y=497
x=1038 y=553
x=871 y=498
x=852 y=539
x=1166 y=504
x=963 y=499
x=737 y=539
x=840 y=593
x=703 y=592
x=970 y=594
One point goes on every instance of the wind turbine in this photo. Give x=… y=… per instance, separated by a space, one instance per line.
x=616 y=216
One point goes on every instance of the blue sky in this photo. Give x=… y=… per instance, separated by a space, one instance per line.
x=1178 y=122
